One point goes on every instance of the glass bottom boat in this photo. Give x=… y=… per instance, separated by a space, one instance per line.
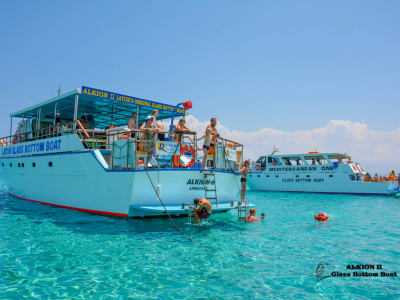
x=54 y=159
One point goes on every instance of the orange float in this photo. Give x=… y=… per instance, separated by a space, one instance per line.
x=321 y=217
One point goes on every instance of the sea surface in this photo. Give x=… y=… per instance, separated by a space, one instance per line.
x=54 y=253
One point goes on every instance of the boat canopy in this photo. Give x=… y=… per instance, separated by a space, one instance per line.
x=107 y=108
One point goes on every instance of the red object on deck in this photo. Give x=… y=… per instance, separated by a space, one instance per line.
x=187 y=105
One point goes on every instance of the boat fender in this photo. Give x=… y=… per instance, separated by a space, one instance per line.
x=321 y=217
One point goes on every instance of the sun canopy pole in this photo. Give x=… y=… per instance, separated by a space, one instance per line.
x=55 y=113
x=76 y=110
x=137 y=116
x=11 y=128
x=39 y=112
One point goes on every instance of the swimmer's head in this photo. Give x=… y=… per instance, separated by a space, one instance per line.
x=252 y=211
x=196 y=201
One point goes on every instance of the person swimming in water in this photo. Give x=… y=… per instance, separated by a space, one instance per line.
x=252 y=217
x=244 y=170
x=203 y=211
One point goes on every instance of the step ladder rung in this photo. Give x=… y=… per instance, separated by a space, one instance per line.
x=212 y=190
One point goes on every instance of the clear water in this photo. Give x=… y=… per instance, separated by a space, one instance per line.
x=54 y=253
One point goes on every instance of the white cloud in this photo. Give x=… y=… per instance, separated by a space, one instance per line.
x=376 y=151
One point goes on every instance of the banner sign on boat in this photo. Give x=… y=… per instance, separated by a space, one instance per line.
x=167 y=148
x=230 y=154
x=128 y=99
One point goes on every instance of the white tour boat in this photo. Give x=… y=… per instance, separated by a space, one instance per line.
x=313 y=172
x=53 y=159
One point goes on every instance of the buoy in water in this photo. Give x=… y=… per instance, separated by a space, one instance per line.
x=321 y=217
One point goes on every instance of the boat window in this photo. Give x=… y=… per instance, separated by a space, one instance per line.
x=297 y=175
x=2 y=164
x=34 y=165
x=308 y=175
x=293 y=161
x=50 y=164
x=19 y=165
x=266 y=175
x=276 y=175
x=263 y=163
x=258 y=176
x=331 y=175
x=251 y=175
x=274 y=161
x=352 y=177
x=316 y=160
x=23 y=165
x=10 y=164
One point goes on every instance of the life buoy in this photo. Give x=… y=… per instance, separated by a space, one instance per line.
x=257 y=167
x=15 y=140
x=321 y=217
x=177 y=160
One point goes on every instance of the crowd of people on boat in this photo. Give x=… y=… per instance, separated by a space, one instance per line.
x=377 y=178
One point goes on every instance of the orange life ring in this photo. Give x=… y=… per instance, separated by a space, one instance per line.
x=257 y=167
x=320 y=217
x=177 y=160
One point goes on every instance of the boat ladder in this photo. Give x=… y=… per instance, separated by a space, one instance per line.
x=242 y=209
x=210 y=187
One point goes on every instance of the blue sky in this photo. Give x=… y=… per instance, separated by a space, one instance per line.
x=288 y=65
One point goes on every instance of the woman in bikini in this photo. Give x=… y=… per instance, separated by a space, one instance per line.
x=244 y=170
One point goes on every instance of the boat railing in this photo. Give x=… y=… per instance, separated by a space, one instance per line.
x=33 y=135
x=124 y=149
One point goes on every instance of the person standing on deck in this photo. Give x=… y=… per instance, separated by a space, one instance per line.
x=244 y=170
x=132 y=123
x=210 y=138
x=149 y=138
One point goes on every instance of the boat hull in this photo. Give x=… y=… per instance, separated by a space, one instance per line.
x=316 y=184
x=78 y=180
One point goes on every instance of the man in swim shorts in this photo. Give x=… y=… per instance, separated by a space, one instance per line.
x=210 y=138
x=202 y=209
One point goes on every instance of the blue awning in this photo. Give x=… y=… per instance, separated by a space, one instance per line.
x=104 y=106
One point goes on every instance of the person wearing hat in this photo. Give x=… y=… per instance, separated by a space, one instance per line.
x=149 y=138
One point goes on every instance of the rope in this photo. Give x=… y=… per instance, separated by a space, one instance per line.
x=170 y=218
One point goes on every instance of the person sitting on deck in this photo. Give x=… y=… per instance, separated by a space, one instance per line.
x=149 y=138
x=84 y=122
x=91 y=123
x=179 y=128
x=367 y=178
x=252 y=217
x=161 y=127
x=297 y=161
x=392 y=176
x=203 y=211
x=376 y=178
x=313 y=161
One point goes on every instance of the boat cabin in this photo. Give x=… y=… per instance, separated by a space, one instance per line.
x=97 y=120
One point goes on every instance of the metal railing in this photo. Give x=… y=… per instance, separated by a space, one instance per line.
x=124 y=149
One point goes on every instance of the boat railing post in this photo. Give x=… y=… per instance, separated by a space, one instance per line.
x=127 y=152
x=11 y=130
x=76 y=111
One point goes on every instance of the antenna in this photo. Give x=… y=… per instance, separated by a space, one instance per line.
x=274 y=150
x=59 y=90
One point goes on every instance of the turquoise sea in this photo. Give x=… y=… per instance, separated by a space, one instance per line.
x=54 y=253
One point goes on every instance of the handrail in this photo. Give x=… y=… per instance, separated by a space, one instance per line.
x=82 y=128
